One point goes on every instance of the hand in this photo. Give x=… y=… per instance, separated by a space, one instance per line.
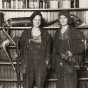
x=66 y=55
x=69 y=53
x=48 y=64
x=63 y=56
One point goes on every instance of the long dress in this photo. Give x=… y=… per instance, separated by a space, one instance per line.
x=34 y=56
x=66 y=70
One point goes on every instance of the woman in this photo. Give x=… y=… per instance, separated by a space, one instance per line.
x=34 y=48
x=67 y=52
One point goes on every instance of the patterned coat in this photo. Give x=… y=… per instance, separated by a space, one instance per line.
x=66 y=69
x=34 y=57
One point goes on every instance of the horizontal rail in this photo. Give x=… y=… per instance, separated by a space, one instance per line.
x=14 y=80
x=50 y=80
x=46 y=10
x=8 y=80
x=10 y=46
x=6 y=63
x=23 y=28
x=83 y=79
x=50 y=27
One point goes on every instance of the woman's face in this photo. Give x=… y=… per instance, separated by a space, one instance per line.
x=37 y=21
x=63 y=20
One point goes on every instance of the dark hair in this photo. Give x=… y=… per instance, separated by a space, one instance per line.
x=66 y=14
x=73 y=20
x=37 y=13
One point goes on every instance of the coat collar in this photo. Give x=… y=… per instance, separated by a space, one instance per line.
x=66 y=34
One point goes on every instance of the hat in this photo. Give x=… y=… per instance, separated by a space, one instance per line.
x=65 y=13
x=43 y=22
x=34 y=14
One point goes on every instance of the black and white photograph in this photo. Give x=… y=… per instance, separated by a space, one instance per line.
x=43 y=43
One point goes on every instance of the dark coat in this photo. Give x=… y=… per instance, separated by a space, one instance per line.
x=66 y=70
x=26 y=49
x=33 y=57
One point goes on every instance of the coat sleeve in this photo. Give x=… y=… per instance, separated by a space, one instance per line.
x=22 y=51
x=22 y=42
x=48 y=47
x=77 y=47
x=54 y=49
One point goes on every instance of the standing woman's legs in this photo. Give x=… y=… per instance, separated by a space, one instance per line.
x=41 y=77
x=28 y=80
